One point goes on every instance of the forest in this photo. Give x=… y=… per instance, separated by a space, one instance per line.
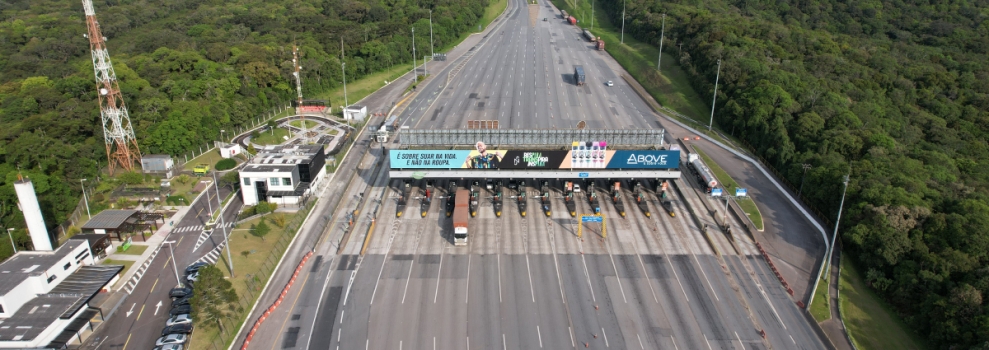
x=187 y=69
x=892 y=92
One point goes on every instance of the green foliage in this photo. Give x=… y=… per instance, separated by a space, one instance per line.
x=215 y=298
x=231 y=179
x=261 y=229
x=183 y=179
x=187 y=69
x=892 y=92
x=265 y=207
x=278 y=220
x=225 y=164
x=131 y=178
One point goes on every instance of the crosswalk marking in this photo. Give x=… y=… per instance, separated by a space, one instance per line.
x=200 y=227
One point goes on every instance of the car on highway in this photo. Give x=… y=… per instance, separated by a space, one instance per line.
x=180 y=292
x=178 y=319
x=576 y=188
x=180 y=310
x=489 y=184
x=184 y=328
x=610 y=83
x=170 y=347
x=172 y=339
x=544 y=19
x=195 y=267
x=182 y=301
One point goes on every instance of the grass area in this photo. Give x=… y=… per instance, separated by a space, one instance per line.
x=490 y=13
x=127 y=264
x=249 y=254
x=271 y=137
x=134 y=250
x=333 y=132
x=671 y=87
x=821 y=308
x=870 y=321
x=729 y=185
x=358 y=89
x=298 y=123
x=421 y=79
x=209 y=158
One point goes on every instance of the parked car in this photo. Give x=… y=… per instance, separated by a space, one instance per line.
x=180 y=292
x=192 y=277
x=180 y=310
x=170 y=347
x=172 y=339
x=182 y=301
x=184 y=328
x=179 y=319
x=195 y=267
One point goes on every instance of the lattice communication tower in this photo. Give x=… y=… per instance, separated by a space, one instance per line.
x=121 y=145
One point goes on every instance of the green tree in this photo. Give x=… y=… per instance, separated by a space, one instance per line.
x=261 y=229
x=214 y=300
x=231 y=179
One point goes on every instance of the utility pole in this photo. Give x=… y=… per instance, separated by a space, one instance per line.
x=84 y=198
x=715 y=95
x=662 y=35
x=174 y=263
x=224 y=228
x=592 y=14
x=415 y=74
x=10 y=233
x=827 y=267
x=806 y=166
x=346 y=102
x=623 y=22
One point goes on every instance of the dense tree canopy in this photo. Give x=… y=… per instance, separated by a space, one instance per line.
x=892 y=91
x=187 y=69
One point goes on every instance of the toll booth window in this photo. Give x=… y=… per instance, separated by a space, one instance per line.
x=273 y=181
x=52 y=278
x=247 y=181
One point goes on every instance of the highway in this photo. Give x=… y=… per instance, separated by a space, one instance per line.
x=526 y=283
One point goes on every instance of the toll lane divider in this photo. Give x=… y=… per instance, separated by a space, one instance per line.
x=257 y=324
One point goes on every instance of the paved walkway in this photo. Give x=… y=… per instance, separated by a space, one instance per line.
x=833 y=326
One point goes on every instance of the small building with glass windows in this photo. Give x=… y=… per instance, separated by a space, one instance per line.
x=285 y=175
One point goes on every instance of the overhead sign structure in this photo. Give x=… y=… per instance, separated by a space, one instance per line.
x=588 y=218
x=582 y=158
x=741 y=192
x=582 y=175
x=716 y=192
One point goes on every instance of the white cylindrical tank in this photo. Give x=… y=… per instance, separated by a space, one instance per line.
x=32 y=214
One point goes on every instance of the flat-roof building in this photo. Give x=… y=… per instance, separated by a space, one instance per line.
x=284 y=175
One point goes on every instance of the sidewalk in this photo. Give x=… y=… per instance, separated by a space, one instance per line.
x=833 y=326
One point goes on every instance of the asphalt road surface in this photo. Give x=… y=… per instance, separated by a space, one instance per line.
x=140 y=329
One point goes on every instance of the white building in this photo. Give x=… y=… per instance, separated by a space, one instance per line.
x=44 y=295
x=355 y=113
x=284 y=174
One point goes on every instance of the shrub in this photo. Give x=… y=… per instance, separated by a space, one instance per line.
x=226 y=164
x=278 y=220
x=183 y=179
x=131 y=178
x=265 y=207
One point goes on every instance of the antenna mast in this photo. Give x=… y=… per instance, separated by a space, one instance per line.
x=121 y=145
x=298 y=88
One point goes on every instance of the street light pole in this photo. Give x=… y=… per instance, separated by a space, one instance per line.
x=346 y=103
x=415 y=75
x=84 y=198
x=715 y=95
x=10 y=232
x=806 y=166
x=592 y=14
x=431 y=53
x=827 y=268
x=662 y=35
x=623 y=22
x=230 y=262
x=175 y=264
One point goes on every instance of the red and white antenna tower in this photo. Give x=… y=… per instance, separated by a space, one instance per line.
x=121 y=145
x=298 y=88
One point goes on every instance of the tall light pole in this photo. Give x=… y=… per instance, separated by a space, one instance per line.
x=346 y=103
x=10 y=233
x=806 y=166
x=84 y=198
x=715 y=95
x=827 y=267
x=623 y=22
x=431 y=53
x=662 y=35
x=175 y=264
x=222 y=139
x=230 y=262
x=592 y=14
x=415 y=67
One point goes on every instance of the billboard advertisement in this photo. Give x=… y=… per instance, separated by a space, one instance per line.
x=589 y=155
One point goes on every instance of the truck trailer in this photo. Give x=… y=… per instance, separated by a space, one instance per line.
x=702 y=172
x=572 y=20
x=460 y=217
x=600 y=44
x=590 y=37
x=578 y=75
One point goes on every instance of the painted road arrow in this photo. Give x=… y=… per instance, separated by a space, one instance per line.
x=157 y=307
x=131 y=309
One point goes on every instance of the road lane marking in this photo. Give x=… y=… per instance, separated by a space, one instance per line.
x=675 y=347
x=588 y=276
x=605 y=338
x=139 y=313
x=156 y=280
x=376 y=280
x=530 y=278
x=407 y=279
x=643 y=347
x=504 y=344
x=709 y=285
x=622 y=289
x=466 y=298
x=708 y=343
x=341 y=316
x=791 y=339
x=499 y=277
x=127 y=342
x=437 y=293
x=540 y=334
x=739 y=340
x=572 y=343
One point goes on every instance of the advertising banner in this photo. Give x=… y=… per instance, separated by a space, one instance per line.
x=479 y=158
x=533 y=159
x=644 y=160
